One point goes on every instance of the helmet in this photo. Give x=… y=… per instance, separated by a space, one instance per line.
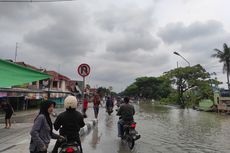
x=70 y=102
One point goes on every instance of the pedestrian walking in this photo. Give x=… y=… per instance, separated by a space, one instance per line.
x=42 y=130
x=96 y=103
x=85 y=106
x=9 y=111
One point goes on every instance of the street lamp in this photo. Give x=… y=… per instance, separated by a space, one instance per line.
x=176 y=53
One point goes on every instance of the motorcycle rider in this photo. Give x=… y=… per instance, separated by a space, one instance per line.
x=109 y=104
x=69 y=123
x=126 y=113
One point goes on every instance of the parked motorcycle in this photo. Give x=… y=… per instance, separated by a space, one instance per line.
x=130 y=134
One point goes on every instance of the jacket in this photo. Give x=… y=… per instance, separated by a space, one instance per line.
x=41 y=134
x=126 y=111
x=69 y=123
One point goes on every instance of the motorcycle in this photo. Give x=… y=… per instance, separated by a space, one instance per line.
x=130 y=134
x=69 y=147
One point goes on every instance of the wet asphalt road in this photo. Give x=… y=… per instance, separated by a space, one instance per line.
x=163 y=130
x=103 y=138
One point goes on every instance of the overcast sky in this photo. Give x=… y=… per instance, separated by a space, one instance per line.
x=120 y=39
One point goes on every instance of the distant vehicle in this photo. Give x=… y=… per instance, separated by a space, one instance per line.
x=222 y=100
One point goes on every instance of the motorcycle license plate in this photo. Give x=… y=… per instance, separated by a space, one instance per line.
x=132 y=132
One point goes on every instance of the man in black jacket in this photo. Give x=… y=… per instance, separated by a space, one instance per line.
x=126 y=113
x=69 y=123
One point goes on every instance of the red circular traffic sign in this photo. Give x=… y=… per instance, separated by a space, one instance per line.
x=83 y=70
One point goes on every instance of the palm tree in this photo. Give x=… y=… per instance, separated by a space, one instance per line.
x=224 y=56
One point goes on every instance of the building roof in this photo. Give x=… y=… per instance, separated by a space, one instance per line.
x=28 y=66
x=57 y=76
x=54 y=74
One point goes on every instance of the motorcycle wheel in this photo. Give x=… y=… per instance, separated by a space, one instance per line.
x=131 y=142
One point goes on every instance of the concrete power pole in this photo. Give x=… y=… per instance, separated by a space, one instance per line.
x=16 y=52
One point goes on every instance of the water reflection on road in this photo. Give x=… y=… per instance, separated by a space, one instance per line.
x=163 y=129
x=177 y=130
x=96 y=137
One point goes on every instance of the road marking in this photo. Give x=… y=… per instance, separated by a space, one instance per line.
x=22 y=142
x=7 y=148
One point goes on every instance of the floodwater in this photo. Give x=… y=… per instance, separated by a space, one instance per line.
x=164 y=130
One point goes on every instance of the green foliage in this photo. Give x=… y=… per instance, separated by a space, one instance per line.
x=132 y=90
x=102 y=91
x=195 y=81
x=185 y=86
x=149 y=88
x=171 y=99
x=224 y=57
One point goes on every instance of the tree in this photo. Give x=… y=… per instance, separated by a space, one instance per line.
x=224 y=57
x=149 y=88
x=188 y=78
x=131 y=90
x=102 y=91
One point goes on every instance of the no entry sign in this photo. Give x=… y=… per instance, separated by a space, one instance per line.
x=83 y=70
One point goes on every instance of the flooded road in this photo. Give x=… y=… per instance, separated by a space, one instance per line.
x=163 y=130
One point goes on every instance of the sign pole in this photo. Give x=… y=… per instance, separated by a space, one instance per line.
x=83 y=94
x=83 y=70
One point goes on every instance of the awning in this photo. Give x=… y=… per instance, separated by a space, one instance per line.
x=12 y=74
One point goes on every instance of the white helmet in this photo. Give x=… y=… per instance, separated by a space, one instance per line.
x=70 y=102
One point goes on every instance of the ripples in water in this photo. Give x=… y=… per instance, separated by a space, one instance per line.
x=168 y=129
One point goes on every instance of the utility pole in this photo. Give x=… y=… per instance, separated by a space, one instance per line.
x=16 y=52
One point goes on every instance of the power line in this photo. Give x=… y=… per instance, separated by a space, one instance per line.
x=24 y=1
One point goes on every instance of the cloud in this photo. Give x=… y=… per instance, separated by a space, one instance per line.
x=120 y=40
x=60 y=41
x=144 y=59
x=131 y=42
x=126 y=19
x=17 y=12
x=65 y=37
x=195 y=40
x=18 y=17
x=179 y=33
x=120 y=73
x=128 y=28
